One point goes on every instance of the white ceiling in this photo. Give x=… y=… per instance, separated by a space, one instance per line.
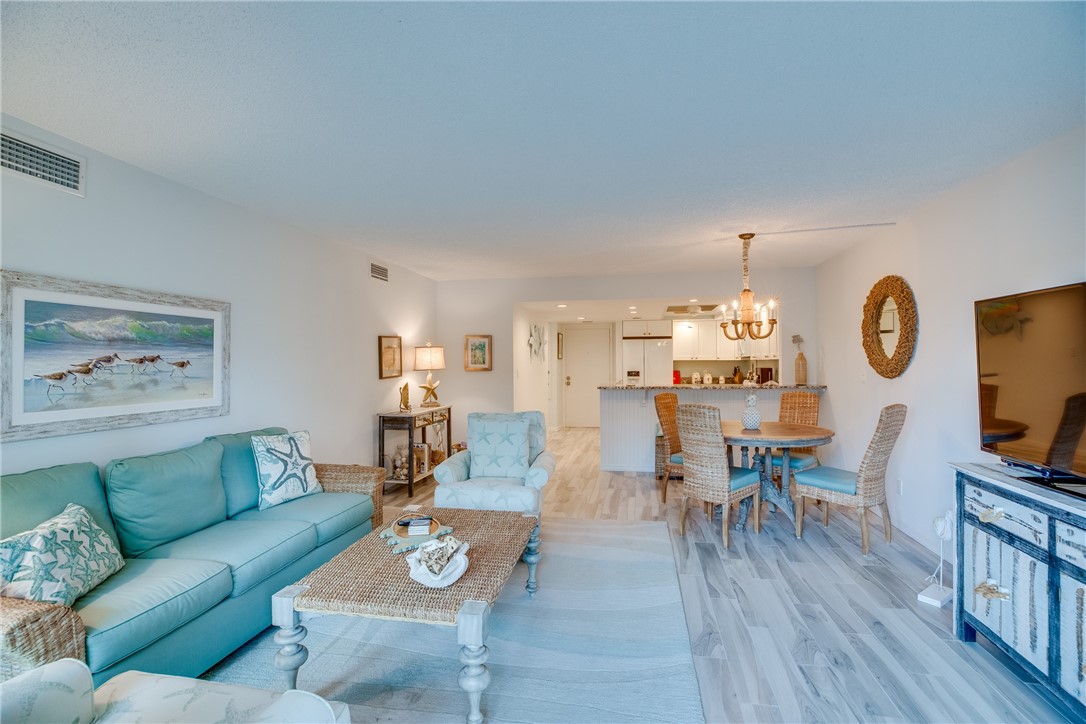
x=473 y=140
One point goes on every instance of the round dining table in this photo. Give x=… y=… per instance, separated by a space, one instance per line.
x=769 y=435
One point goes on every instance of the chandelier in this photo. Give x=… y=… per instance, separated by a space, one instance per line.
x=745 y=316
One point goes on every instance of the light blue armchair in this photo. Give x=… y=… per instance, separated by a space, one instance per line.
x=505 y=467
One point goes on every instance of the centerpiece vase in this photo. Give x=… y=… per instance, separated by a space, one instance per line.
x=752 y=418
x=801 y=368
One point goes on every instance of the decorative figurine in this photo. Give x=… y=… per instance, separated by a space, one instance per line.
x=405 y=403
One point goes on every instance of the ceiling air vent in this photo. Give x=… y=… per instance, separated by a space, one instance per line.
x=379 y=272
x=31 y=158
x=691 y=309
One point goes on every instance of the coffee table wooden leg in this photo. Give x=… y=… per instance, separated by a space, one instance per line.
x=531 y=557
x=290 y=634
x=471 y=632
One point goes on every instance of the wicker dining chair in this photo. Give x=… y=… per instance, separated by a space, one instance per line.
x=666 y=405
x=1061 y=453
x=708 y=475
x=799 y=407
x=860 y=489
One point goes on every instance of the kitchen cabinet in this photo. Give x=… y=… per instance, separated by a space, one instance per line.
x=646 y=328
x=701 y=339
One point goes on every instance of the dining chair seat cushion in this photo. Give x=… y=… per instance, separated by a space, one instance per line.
x=743 y=477
x=677 y=459
x=796 y=461
x=509 y=494
x=827 y=478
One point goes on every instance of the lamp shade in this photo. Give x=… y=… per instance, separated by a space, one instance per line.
x=429 y=358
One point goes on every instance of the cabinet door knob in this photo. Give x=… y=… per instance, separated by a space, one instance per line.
x=991 y=515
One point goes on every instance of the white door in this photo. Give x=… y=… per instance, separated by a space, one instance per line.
x=587 y=365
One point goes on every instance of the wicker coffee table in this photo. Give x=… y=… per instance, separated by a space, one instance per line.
x=368 y=579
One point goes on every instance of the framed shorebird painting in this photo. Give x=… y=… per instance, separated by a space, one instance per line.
x=80 y=357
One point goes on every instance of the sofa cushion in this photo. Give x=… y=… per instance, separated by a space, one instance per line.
x=499 y=448
x=254 y=549
x=145 y=601
x=159 y=498
x=239 y=468
x=29 y=498
x=284 y=468
x=332 y=513
x=537 y=428
x=488 y=494
x=58 y=561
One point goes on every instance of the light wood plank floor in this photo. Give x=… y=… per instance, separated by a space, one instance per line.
x=786 y=630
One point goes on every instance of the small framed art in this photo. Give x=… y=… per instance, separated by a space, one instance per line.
x=477 y=353
x=390 y=353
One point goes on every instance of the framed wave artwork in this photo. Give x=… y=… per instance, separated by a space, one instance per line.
x=80 y=357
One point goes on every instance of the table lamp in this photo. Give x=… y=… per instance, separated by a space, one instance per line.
x=430 y=358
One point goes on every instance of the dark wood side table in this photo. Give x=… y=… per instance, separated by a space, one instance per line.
x=421 y=420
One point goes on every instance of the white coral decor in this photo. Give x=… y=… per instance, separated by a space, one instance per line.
x=438 y=563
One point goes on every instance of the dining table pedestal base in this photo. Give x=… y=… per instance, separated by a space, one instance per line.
x=772 y=435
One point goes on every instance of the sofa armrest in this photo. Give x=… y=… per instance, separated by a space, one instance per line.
x=33 y=633
x=355 y=479
x=541 y=470
x=455 y=469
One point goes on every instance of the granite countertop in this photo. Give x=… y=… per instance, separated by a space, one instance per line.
x=813 y=388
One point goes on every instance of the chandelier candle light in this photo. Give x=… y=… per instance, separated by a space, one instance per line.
x=430 y=358
x=746 y=316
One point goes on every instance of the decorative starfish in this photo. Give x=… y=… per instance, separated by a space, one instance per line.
x=431 y=391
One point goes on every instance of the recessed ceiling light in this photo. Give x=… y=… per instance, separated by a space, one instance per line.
x=633 y=307
x=580 y=319
x=693 y=300
x=562 y=306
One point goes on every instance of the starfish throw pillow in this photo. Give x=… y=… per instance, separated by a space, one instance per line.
x=284 y=468
x=60 y=560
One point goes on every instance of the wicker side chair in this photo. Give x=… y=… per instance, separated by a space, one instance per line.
x=860 y=489
x=799 y=407
x=707 y=474
x=355 y=479
x=666 y=405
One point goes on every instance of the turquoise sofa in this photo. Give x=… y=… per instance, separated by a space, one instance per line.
x=201 y=560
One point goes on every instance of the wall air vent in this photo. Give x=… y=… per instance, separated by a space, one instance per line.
x=31 y=158
x=379 y=272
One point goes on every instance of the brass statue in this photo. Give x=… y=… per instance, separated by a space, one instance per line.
x=405 y=403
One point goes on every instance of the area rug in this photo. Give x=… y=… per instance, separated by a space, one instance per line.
x=604 y=640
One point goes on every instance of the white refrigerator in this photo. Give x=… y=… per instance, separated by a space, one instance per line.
x=647 y=362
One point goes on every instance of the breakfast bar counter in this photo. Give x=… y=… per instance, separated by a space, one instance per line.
x=628 y=416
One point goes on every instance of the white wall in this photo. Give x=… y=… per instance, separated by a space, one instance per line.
x=487 y=306
x=1017 y=228
x=532 y=375
x=305 y=314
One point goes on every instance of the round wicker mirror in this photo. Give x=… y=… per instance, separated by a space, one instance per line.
x=877 y=324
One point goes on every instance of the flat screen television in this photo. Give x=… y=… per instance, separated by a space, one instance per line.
x=1031 y=375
